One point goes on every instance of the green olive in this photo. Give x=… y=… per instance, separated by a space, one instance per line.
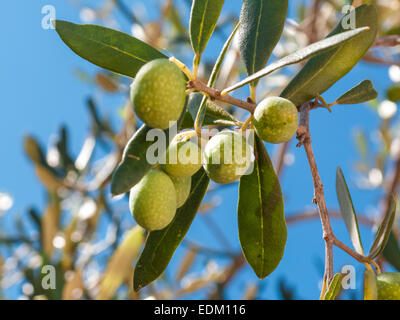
x=227 y=157
x=389 y=286
x=158 y=93
x=276 y=120
x=183 y=159
x=153 y=201
x=182 y=187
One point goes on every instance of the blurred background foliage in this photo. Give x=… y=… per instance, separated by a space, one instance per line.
x=90 y=238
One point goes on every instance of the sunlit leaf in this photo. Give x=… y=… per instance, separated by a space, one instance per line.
x=48 y=178
x=121 y=263
x=204 y=109
x=384 y=230
x=186 y=263
x=300 y=55
x=203 y=19
x=362 y=92
x=392 y=252
x=347 y=211
x=323 y=70
x=261 y=27
x=107 y=48
x=262 y=226
x=334 y=287
x=161 y=245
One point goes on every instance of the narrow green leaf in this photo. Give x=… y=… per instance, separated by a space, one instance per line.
x=161 y=245
x=203 y=19
x=347 y=211
x=262 y=225
x=370 y=285
x=134 y=164
x=204 y=105
x=362 y=92
x=300 y=55
x=34 y=151
x=384 y=230
x=322 y=71
x=107 y=48
x=392 y=252
x=218 y=64
x=261 y=27
x=334 y=287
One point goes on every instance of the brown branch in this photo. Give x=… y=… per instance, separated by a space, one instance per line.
x=319 y=198
x=304 y=137
x=390 y=41
x=350 y=251
x=369 y=57
x=299 y=217
x=216 y=95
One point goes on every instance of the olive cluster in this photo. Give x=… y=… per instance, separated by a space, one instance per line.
x=158 y=96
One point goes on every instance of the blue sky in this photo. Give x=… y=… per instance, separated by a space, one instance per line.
x=40 y=93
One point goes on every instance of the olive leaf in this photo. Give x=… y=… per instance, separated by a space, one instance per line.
x=322 y=71
x=370 y=285
x=262 y=225
x=34 y=151
x=203 y=19
x=261 y=27
x=384 y=230
x=107 y=48
x=362 y=92
x=347 y=211
x=392 y=252
x=300 y=55
x=120 y=264
x=334 y=287
x=204 y=105
x=134 y=164
x=161 y=245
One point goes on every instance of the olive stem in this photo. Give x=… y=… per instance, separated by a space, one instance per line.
x=215 y=94
x=196 y=63
x=303 y=134
x=246 y=123
x=304 y=137
x=183 y=67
